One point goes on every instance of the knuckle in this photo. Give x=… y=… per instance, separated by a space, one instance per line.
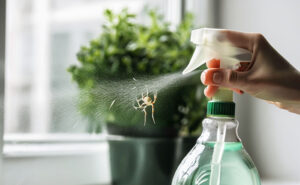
x=238 y=80
x=233 y=77
x=259 y=38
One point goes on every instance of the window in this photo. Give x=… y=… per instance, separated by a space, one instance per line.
x=45 y=135
x=42 y=40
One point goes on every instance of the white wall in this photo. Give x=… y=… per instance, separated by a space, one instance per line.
x=2 y=57
x=270 y=135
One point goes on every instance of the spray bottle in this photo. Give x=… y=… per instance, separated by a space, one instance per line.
x=218 y=158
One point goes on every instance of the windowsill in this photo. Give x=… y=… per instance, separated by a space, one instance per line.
x=52 y=138
x=76 y=159
x=39 y=150
x=79 y=159
x=30 y=145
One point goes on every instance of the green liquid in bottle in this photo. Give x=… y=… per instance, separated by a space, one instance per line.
x=237 y=167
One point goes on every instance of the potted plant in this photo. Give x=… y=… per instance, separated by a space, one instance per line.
x=130 y=61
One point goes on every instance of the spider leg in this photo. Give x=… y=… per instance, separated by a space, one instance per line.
x=140 y=106
x=145 y=117
x=138 y=101
x=155 y=97
x=153 y=114
x=136 y=108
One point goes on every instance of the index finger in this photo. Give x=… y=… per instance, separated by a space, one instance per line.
x=213 y=63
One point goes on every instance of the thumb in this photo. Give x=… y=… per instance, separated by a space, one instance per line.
x=224 y=77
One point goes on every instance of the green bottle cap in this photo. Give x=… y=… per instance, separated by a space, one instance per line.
x=220 y=109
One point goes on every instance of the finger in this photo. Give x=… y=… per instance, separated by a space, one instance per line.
x=224 y=77
x=210 y=90
x=213 y=63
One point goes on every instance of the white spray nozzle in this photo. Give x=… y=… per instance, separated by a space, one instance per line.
x=213 y=44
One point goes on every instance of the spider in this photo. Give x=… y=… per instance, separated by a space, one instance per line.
x=144 y=102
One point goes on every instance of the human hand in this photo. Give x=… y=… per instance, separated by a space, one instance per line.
x=268 y=76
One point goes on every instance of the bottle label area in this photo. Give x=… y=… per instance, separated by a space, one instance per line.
x=237 y=168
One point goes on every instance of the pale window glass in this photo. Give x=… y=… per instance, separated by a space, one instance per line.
x=43 y=37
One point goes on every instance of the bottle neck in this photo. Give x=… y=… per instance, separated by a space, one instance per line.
x=213 y=126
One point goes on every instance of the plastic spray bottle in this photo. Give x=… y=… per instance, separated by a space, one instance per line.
x=218 y=158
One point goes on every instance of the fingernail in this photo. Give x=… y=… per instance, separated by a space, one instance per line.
x=217 y=77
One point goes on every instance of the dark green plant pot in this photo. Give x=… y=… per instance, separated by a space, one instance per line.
x=146 y=160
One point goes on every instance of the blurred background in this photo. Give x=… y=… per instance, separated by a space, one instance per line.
x=43 y=37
